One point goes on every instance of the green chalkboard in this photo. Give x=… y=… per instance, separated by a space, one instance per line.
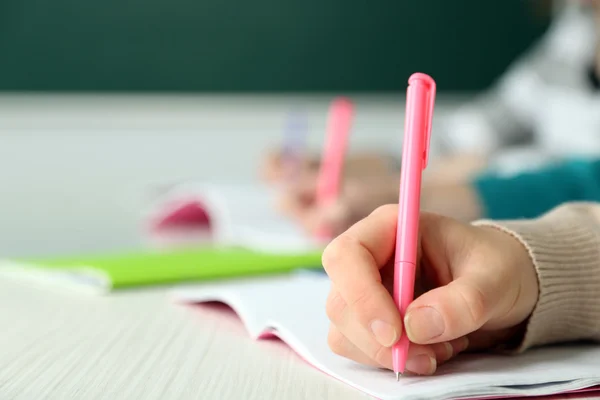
x=259 y=45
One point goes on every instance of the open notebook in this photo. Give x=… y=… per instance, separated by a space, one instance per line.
x=106 y=273
x=292 y=307
x=234 y=214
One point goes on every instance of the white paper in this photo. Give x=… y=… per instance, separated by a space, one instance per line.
x=244 y=215
x=293 y=308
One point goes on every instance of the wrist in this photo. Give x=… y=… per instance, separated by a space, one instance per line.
x=522 y=268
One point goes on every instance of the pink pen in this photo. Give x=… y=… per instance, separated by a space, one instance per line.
x=334 y=153
x=420 y=100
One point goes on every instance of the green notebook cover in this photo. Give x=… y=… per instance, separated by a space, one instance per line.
x=153 y=268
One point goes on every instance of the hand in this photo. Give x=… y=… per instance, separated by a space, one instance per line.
x=276 y=169
x=476 y=286
x=359 y=197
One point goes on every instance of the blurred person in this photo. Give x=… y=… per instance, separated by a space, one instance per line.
x=545 y=109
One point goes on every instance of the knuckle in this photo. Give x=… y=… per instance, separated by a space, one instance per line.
x=334 y=307
x=361 y=301
x=364 y=306
x=333 y=254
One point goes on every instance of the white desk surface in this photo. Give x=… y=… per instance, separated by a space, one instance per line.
x=74 y=173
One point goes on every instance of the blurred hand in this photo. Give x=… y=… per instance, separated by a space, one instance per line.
x=362 y=195
x=358 y=198
x=475 y=288
x=276 y=168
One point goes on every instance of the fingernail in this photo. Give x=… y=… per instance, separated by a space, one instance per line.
x=449 y=351
x=464 y=344
x=421 y=364
x=424 y=324
x=384 y=333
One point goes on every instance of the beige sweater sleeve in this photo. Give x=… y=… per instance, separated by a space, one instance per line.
x=564 y=245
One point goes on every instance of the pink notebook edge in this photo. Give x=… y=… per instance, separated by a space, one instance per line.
x=181 y=212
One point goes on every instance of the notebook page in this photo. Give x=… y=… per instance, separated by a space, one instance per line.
x=243 y=214
x=293 y=308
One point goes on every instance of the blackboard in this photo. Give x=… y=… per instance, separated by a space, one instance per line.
x=259 y=45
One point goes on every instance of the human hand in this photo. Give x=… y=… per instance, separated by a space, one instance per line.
x=358 y=198
x=276 y=168
x=362 y=195
x=475 y=288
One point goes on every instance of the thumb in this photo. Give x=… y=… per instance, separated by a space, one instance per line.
x=452 y=311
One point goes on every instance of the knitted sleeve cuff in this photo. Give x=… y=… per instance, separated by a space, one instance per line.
x=564 y=245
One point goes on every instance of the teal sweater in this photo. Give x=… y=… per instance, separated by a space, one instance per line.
x=530 y=194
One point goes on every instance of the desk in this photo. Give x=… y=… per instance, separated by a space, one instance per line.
x=74 y=172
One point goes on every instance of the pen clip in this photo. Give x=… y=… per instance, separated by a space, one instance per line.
x=431 y=86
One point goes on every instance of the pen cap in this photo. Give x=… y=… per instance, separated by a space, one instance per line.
x=429 y=83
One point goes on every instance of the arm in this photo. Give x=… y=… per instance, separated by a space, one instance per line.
x=564 y=245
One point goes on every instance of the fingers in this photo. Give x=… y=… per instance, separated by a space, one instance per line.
x=352 y=261
x=375 y=234
x=422 y=360
x=457 y=309
x=340 y=345
x=361 y=339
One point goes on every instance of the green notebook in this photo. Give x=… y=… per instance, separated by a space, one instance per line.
x=102 y=274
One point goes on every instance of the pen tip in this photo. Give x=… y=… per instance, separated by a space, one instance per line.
x=397 y=376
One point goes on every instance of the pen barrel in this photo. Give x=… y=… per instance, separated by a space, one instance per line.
x=409 y=207
x=413 y=153
x=404 y=277
x=420 y=97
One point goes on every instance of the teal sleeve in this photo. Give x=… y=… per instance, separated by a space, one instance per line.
x=530 y=194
